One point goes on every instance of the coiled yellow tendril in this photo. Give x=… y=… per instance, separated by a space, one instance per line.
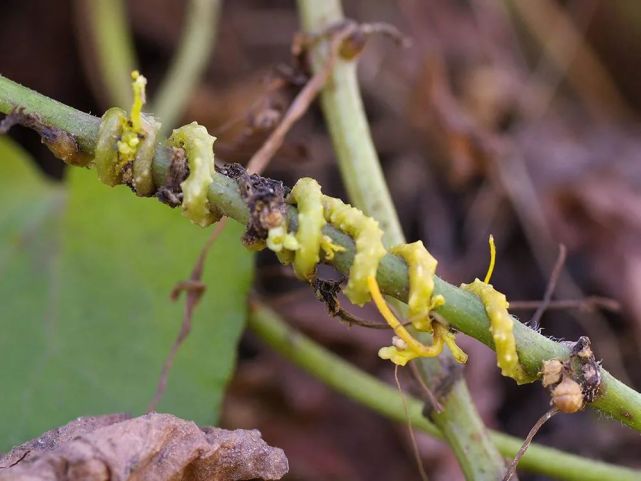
x=369 y=246
x=501 y=323
x=198 y=146
x=314 y=211
x=309 y=236
x=126 y=147
x=421 y=269
x=124 y=154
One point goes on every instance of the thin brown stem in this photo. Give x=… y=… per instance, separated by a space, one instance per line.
x=528 y=440
x=299 y=106
x=549 y=290
x=410 y=428
x=194 y=288
x=436 y=405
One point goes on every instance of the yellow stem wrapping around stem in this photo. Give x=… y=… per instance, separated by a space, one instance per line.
x=198 y=146
x=369 y=246
x=412 y=349
x=421 y=267
x=307 y=195
x=501 y=326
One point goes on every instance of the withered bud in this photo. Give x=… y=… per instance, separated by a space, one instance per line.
x=552 y=372
x=567 y=396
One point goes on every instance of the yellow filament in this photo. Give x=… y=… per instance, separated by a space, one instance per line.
x=139 y=84
x=329 y=248
x=490 y=268
x=412 y=348
x=440 y=331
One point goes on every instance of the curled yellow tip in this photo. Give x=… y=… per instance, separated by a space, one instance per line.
x=490 y=269
x=139 y=83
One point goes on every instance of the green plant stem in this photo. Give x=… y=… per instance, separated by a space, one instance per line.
x=189 y=61
x=463 y=310
x=386 y=400
x=361 y=172
x=348 y=127
x=114 y=48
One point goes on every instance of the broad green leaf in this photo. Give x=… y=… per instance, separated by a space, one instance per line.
x=85 y=315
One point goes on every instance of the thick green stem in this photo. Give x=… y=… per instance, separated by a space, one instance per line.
x=463 y=310
x=386 y=400
x=82 y=126
x=347 y=123
x=367 y=189
x=189 y=62
x=114 y=48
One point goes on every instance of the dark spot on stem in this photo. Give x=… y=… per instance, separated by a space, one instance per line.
x=171 y=193
x=265 y=199
x=60 y=142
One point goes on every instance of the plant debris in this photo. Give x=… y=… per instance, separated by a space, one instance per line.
x=154 y=446
x=265 y=199
x=575 y=382
x=327 y=291
x=171 y=193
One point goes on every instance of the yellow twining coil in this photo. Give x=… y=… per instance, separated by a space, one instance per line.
x=304 y=247
x=125 y=151
x=199 y=148
x=501 y=323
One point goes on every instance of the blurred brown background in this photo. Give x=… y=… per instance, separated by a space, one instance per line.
x=517 y=118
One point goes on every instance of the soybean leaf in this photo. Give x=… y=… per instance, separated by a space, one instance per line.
x=85 y=315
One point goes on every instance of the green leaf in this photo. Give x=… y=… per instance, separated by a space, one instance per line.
x=85 y=315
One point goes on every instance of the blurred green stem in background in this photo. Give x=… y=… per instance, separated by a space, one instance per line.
x=189 y=62
x=363 y=177
x=114 y=48
x=386 y=400
x=115 y=51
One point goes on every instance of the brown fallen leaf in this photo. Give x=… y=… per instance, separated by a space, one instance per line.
x=155 y=446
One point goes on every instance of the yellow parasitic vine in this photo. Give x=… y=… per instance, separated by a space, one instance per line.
x=501 y=323
x=304 y=251
x=303 y=248
x=199 y=148
x=126 y=147
x=124 y=154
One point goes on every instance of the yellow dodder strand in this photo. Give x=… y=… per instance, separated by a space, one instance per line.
x=329 y=248
x=132 y=127
x=421 y=268
x=106 y=153
x=142 y=177
x=369 y=246
x=441 y=331
x=139 y=85
x=490 y=268
x=198 y=146
x=410 y=348
x=126 y=144
x=307 y=195
x=501 y=326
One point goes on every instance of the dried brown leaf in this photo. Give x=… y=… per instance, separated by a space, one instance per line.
x=154 y=446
